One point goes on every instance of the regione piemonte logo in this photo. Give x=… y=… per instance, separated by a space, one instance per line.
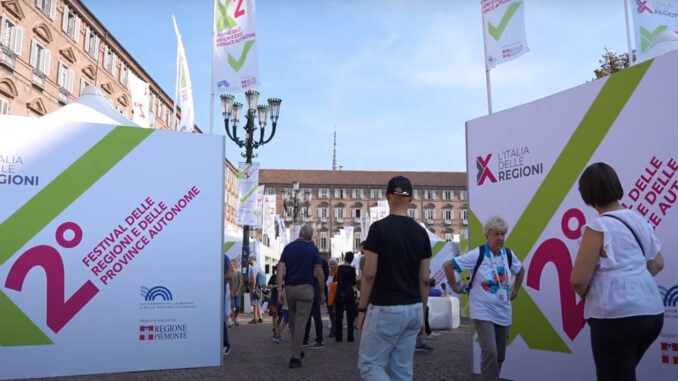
x=669 y=353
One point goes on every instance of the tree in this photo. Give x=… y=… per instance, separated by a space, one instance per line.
x=610 y=63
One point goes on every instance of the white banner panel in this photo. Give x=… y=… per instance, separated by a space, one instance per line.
x=187 y=121
x=655 y=27
x=235 y=63
x=248 y=183
x=504 y=30
x=100 y=267
x=524 y=164
x=269 y=210
x=140 y=92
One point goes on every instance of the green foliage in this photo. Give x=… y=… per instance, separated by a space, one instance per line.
x=611 y=63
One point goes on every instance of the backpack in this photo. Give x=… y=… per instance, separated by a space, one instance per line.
x=261 y=279
x=509 y=256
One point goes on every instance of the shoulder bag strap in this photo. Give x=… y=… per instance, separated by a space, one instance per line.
x=477 y=266
x=629 y=227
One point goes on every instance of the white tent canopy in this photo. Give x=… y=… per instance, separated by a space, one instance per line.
x=91 y=106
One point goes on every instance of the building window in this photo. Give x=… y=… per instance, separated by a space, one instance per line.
x=269 y=191
x=40 y=61
x=323 y=192
x=357 y=212
x=462 y=195
x=83 y=83
x=124 y=74
x=357 y=193
x=92 y=44
x=339 y=213
x=323 y=213
x=411 y=212
x=70 y=24
x=429 y=194
x=304 y=212
x=4 y=107
x=322 y=240
x=47 y=7
x=447 y=214
x=65 y=81
x=375 y=193
x=415 y=194
x=12 y=38
x=109 y=60
x=463 y=214
x=339 y=192
x=448 y=237
x=447 y=195
x=430 y=214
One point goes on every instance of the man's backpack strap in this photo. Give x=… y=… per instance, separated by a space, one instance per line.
x=509 y=256
x=477 y=266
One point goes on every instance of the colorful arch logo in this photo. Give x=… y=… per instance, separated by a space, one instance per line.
x=157 y=292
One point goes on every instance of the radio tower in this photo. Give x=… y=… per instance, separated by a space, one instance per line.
x=334 y=156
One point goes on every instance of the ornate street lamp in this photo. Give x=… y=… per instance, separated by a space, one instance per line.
x=294 y=202
x=231 y=112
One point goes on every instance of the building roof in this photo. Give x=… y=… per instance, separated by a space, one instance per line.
x=365 y=178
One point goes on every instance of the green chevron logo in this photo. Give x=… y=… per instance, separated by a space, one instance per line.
x=237 y=64
x=497 y=31
x=528 y=320
x=647 y=37
x=224 y=20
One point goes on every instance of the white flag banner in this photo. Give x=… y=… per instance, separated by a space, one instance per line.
x=258 y=211
x=269 y=215
x=140 y=100
x=248 y=183
x=504 y=30
x=235 y=62
x=655 y=27
x=282 y=233
x=185 y=92
x=363 y=232
x=348 y=231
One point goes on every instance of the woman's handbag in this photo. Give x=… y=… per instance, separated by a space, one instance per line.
x=332 y=290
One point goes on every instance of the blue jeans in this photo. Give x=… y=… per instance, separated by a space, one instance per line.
x=388 y=338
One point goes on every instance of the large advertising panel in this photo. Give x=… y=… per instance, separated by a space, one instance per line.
x=524 y=164
x=110 y=248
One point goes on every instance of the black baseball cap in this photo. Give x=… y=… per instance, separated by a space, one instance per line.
x=399 y=182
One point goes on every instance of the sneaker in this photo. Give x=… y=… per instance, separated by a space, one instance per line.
x=231 y=325
x=434 y=334
x=227 y=350
x=260 y=321
x=305 y=344
x=253 y=321
x=423 y=348
x=295 y=363
x=317 y=345
x=277 y=339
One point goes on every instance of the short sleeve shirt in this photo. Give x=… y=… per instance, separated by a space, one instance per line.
x=401 y=244
x=493 y=277
x=300 y=257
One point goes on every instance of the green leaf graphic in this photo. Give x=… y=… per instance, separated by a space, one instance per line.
x=224 y=19
x=496 y=32
x=646 y=37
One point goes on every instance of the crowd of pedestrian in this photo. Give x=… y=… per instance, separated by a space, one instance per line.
x=387 y=299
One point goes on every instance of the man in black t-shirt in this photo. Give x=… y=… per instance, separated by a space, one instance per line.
x=395 y=285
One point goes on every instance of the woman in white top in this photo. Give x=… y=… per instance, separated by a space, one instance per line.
x=613 y=273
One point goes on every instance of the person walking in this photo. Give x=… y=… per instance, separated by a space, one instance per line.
x=228 y=276
x=345 y=298
x=256 y=293
x=394 y=289
x=490 y=296
x=236 y=285
x=613 y=273
x=300 y=267
x=331 y=309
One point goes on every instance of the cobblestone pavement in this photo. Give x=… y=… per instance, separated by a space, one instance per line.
x=254 y=356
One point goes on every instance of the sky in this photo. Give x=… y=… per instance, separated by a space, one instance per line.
x=397 y=79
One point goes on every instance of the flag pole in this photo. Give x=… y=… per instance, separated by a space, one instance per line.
x=214 y=28
x=176 y=77
x=487 y=68
x=628 y=31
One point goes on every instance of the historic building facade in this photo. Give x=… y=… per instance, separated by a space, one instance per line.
x=51 y=49
x=342 y=198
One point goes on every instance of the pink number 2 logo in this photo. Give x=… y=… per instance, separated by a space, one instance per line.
x=59 y=312
x=554 y=250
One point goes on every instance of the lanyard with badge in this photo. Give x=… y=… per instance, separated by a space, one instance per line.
x=502 y=292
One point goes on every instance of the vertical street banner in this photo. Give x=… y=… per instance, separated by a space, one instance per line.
x=185 y=92
x=235 y=63
x=524 y=164
x=248 y=184
x=141 y=111
x=503 y=30
x=655 y=27
x=100 y=267
x=259 y=210
x=269 y=210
